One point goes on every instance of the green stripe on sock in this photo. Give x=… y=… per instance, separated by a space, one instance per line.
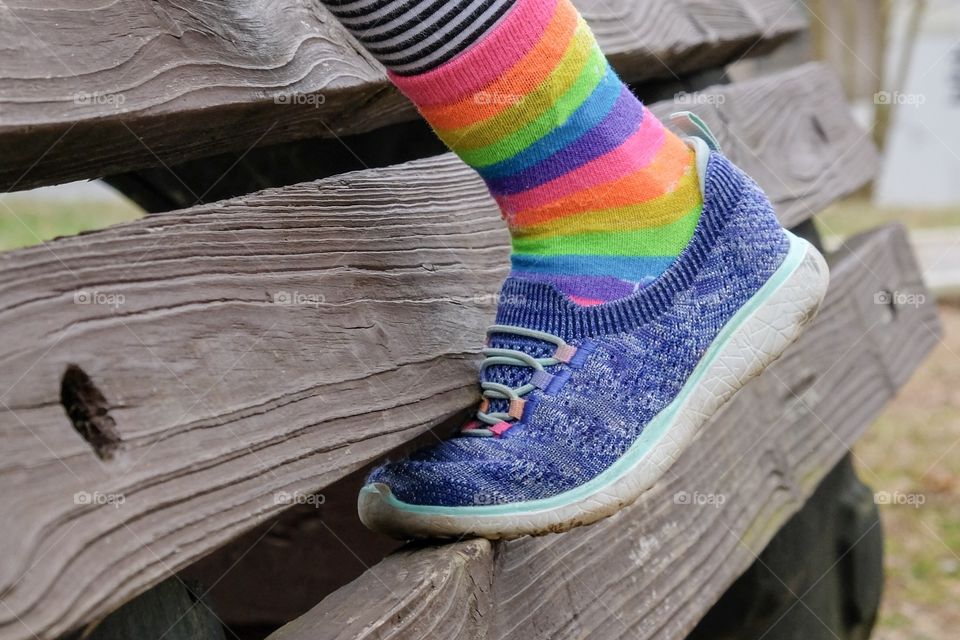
x=667 y=240
x=550 y=119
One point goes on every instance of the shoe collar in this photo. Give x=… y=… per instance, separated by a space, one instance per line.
x=541 y=306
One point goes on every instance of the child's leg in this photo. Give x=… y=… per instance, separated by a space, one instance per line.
x=599 y=197
x=649 y=281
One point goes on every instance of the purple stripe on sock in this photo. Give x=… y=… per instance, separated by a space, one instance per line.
x=593 y=287
x=622 y=122
x=588 y=115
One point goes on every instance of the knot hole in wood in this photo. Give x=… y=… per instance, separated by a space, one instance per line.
x=87 y=409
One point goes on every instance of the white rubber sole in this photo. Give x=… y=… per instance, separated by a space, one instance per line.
x=750 y=341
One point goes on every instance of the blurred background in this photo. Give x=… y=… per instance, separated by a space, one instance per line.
x=900 y=65
x=899 y=61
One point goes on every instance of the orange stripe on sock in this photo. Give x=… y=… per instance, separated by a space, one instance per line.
x=662 y=210
x=636 y=152
x=640 y=186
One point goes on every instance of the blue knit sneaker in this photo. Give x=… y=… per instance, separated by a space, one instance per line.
x=585 y=407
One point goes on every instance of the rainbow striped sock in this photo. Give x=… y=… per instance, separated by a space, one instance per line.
x=599 y=197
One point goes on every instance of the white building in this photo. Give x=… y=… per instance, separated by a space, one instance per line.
x=921 y=165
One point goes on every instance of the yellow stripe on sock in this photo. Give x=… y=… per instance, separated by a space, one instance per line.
x=662 y=210
x=666 y=240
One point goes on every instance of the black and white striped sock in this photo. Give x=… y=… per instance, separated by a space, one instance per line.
x=414 y=36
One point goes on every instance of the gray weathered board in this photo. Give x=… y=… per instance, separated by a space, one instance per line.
x=654 y=569
x=216 y=356
x=116 y=86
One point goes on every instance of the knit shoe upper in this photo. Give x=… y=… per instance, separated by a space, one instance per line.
x=633 y=356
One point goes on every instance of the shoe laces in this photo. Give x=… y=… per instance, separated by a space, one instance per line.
x=493 y=424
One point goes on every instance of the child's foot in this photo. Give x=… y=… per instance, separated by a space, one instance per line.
x=587 y=406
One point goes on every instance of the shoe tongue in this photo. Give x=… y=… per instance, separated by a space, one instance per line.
x=513 y=375
x=515 y=305
x=523 y=302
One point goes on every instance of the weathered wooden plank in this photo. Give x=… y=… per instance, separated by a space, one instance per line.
x=819 y=578
x=135 y=83
x=704 y=31
x=406 y=591
x=281 y=569
x=269 y=343
x=821 y=137
x=654 y=569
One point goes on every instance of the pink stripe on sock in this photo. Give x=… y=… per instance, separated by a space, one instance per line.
x=585 y=302
x=485 y=61
x=638 y=151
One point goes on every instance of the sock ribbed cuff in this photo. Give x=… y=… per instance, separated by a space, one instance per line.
x=482 y=63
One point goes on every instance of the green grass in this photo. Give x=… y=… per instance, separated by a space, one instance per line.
x=26 y=220
x=914 y=448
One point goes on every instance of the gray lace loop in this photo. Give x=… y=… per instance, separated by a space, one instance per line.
x=512 y=357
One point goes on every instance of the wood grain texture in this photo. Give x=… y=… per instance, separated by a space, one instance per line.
x=129 y=84
x=655 y=568
x=223 y=354
x=409 y=585
x=705 y=31
x=281 y=569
